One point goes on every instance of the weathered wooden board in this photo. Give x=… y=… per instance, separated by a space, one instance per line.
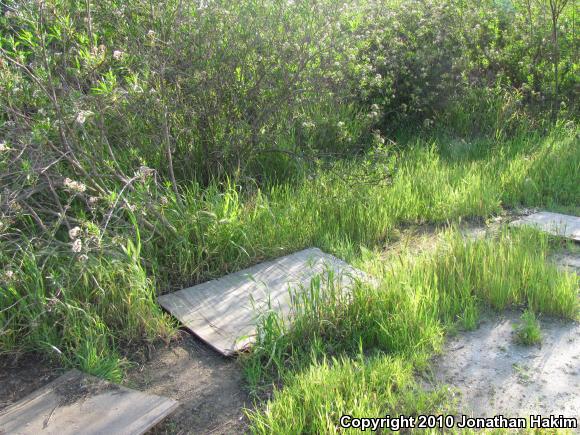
x=553 y=223
x=79 y=403
x=223 y=312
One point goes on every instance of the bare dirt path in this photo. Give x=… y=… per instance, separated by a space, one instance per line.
x=208 y=386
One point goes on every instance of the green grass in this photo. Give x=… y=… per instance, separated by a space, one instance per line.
x=88 y=312
x=314 y=400
x=399 y=324
x=79 y=311
x=528 y=331
x=223 y=228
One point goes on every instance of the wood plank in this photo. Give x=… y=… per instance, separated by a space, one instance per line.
x=557 y=224
x=79 y=403
x=223 y=312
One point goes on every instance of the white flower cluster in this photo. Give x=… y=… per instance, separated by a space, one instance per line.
x=75 y=186
x=375 y=112
x=77 y=243
x=8 y=275
x=83 y=240
x=82 y=116
x=377 y=138
x=118 y=54
x=74 y=233
x=77 y=246
x=93 y=200
x=144 y=171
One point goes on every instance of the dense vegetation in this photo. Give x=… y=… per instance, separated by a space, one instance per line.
x=390 y=331
x=149 y=145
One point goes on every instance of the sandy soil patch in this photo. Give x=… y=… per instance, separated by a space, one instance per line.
x=492 y=374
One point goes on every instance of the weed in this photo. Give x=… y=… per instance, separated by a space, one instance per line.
x=523 y=374
x=528 y=331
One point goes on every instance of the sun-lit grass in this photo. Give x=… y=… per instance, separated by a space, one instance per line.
x=405 y=317
x=314 y=400
x=225 y=228
x=82 y=311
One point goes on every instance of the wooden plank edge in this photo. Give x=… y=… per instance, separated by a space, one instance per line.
x=168 y=406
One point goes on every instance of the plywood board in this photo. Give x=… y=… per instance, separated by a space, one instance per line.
x=223 y=312
x=78 y=403
x=553 y=223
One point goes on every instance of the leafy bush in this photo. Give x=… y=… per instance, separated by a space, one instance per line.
x=432 y=62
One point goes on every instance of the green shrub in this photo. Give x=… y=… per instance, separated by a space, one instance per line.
x=483 y=68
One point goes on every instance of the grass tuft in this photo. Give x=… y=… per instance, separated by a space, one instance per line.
x=528 y=331
x=314 y=400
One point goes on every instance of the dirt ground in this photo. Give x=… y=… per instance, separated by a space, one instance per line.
x=21 y=376
x=491 y=374
x=209 y=388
